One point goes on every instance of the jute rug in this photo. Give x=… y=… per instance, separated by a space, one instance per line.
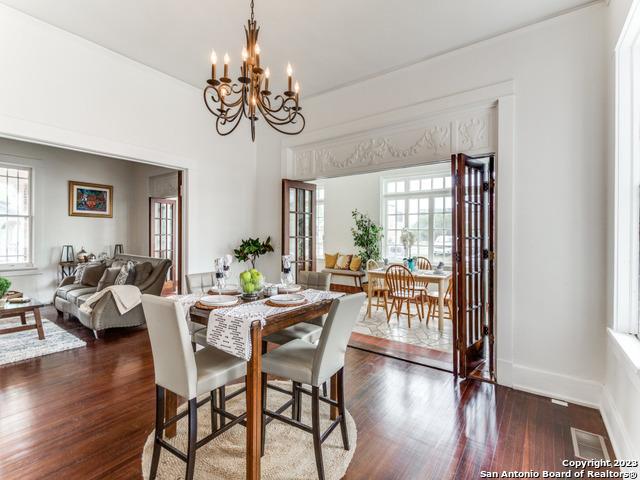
x=18 y=346
x=288 y=453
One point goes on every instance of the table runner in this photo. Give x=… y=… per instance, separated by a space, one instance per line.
x=229 y=328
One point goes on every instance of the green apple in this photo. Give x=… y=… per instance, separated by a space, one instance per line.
x=249 y=288
x=245 y=276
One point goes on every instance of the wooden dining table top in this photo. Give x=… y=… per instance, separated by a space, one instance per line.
x=278 y=321
x=416 y=273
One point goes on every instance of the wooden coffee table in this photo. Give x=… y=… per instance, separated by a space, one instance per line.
x=21 y=310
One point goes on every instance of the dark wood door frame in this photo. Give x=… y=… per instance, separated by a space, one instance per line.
x=309 y=257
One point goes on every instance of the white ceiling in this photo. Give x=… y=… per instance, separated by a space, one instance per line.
x=329 y=42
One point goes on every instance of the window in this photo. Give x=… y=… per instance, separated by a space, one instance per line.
x=319 y=222
x=422 y=204
x=15 y=216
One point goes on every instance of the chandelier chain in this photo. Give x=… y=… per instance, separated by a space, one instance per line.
x=252 y=11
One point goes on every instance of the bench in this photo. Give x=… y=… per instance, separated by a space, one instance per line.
x=357 y=276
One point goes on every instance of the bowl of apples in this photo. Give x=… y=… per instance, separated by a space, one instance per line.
x=251 y=284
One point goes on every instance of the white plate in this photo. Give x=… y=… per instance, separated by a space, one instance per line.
x=289 y=289
x=218 y=300
x=227 y=290
x=287 y=298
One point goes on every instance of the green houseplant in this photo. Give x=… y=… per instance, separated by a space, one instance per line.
x=5 y=283
x=252 y=248
x=367 y=235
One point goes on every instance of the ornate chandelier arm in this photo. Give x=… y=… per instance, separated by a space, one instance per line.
x=276 y=123
x=267 y=110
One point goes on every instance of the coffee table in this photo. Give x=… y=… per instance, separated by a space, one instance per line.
x=20 y=310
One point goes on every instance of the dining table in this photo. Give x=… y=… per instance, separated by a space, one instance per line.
x=421 y=276
x=258 y=330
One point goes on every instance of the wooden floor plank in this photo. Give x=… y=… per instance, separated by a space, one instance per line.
x=86 y=413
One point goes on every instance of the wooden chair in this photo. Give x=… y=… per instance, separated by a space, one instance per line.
x=432 y=301
x=403 y=288
x=379 y=290
x=423 y=263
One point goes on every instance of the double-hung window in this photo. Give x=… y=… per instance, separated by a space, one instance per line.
x=421 y=204
x=16 y=218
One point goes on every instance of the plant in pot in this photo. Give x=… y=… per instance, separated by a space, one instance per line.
x=367 y=236
x=408 y=240
x=252 y=281
x=5 y=283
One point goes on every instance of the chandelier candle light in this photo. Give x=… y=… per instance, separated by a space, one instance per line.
x=229 y=101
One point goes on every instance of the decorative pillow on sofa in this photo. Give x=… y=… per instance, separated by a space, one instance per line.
x=108 y=278
x=79 y=272
x=92 y=274
x=143 y=271
x=356 y=263
x=126 y=275
x=330 y=260
x=343 y=262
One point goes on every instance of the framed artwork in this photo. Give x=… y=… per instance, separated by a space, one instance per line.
x=90 y=200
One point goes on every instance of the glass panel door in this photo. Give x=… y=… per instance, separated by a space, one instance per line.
x=298 y=224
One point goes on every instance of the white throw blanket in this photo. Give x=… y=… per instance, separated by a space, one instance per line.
x=127 y=297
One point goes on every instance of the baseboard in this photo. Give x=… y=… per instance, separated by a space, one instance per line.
x=616 y=429
x=553 y=385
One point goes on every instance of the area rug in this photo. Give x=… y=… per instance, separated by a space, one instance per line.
x=288 y=453
x=18 y=346
x=420 y=334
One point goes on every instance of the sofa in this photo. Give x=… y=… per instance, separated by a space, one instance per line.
x=69 y=296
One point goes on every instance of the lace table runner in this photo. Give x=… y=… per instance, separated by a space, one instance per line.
x=229 y=327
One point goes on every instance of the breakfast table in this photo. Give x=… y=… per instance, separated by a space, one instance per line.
x=422 y=276
x=268 y=324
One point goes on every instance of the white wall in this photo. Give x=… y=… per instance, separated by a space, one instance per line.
x=559 y=208
x=58 y=88
x=621 y=392
x=54 y=227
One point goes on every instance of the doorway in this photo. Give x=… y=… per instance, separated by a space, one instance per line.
x=444 y=216
x=165 y=229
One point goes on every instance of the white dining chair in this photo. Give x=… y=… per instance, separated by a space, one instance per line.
x=187 y=374
x=309 y=364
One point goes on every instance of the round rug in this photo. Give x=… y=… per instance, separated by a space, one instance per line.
x=288 y=452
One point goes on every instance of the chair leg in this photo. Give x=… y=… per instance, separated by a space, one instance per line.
x=315 y=426
x=390 y=311
x=158 y=434
x=296 y=409
x=264 y=407
x=419 y=300
x=221 y=402
x=324 y=390
x=399 y=309
x=193 y=436
x=409 y=312
x=214 y=415
x=341 y=410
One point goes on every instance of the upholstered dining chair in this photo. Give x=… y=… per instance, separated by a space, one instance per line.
x=432 y=301
x=403 y=289
x=311 y=330
x=306 y=363
x=178 y=369
x=200 y=282
x=379 y=289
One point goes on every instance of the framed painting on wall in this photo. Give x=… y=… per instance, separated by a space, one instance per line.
x=90 y=200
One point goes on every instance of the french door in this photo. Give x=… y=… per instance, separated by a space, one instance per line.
x=163 y=239
x=473 y=265
x=298 y=224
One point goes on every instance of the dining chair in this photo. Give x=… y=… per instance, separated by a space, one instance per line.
x=423 y=263
x=187 y=374
x=200 y=282
x=305 y=363
x=379 y=289
x=403 y=289
x=432 y=301
x=311 y=330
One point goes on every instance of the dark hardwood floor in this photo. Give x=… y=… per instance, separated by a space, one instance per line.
x=85 y=414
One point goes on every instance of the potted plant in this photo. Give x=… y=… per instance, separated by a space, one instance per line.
x=5 y=283
x=367 y=235
x=252 y=281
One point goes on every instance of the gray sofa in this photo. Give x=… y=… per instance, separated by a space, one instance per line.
x=69 y=296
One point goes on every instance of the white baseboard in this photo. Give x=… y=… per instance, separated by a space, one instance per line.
x=553 y=385
x=616 y=429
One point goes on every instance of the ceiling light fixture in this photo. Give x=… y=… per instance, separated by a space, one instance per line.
x=229 y=101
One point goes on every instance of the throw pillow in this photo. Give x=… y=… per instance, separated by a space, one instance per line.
x=356 y=263
x=343 y=262
x=108 y=278
x=126 y=275
x=143 y=271
x=92 y=274
x=330 y=260
x=79 y=272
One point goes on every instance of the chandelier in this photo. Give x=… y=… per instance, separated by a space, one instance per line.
x=249 y=96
